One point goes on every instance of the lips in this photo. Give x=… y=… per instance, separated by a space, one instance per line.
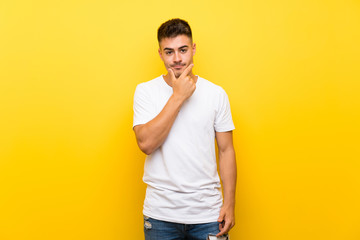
x=177 y=66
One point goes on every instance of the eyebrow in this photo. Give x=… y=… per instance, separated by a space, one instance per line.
x=185 y=46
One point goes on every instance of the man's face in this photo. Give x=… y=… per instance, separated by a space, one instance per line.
x=177 y=53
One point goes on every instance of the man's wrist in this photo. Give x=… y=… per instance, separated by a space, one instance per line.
x=179 y=100
x=229 y=203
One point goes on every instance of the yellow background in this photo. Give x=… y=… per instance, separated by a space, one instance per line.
x=70 y=167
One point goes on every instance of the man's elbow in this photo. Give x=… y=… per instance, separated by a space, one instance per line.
x=146 y=147
x=145 y=143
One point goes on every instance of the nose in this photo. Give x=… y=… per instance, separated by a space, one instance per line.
x=177 y=57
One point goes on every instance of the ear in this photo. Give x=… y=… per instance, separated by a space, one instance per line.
x=160 y=54
x=194 y=48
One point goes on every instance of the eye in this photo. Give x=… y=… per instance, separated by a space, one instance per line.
x=168 y=52
x=183 y=50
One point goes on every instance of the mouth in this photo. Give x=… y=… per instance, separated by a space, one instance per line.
x=178 y=67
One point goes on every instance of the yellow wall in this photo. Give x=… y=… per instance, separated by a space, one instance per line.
x=70 y=167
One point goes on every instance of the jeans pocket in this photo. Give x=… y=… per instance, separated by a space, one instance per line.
x=223 y=237
x=147 y=223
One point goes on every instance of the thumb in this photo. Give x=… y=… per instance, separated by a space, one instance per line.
x=171 y=74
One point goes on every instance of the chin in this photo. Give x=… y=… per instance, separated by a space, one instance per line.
x=178 y=73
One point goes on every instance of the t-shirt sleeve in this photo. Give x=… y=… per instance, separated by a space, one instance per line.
x=223 y=120
x=143 y=107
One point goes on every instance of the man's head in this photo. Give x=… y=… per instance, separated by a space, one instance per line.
x=173 y=28
x=176 y=48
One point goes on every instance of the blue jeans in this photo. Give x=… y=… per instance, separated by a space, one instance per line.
x=162 y=230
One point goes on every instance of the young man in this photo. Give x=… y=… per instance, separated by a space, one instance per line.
x=177 y=117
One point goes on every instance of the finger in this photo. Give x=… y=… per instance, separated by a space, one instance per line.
x=187 y=70
x=224 y=230
x=189 y=78
x=221 y=217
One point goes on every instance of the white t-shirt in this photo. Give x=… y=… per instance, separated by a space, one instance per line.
x=183 y=184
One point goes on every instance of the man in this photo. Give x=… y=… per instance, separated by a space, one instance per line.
x=177 y=116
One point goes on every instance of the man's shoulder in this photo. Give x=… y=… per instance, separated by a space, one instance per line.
x=208 y=85
x=151 y=83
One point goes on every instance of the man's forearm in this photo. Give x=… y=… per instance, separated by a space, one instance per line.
x=228 y=174
x=151 y=135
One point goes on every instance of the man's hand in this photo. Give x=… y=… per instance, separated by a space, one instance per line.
x=184 y=86
x=226 y=220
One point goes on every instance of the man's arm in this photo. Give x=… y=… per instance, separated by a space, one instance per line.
x=227 y=166
x=152 y=134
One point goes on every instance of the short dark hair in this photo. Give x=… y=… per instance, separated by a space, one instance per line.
x=173 y=28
